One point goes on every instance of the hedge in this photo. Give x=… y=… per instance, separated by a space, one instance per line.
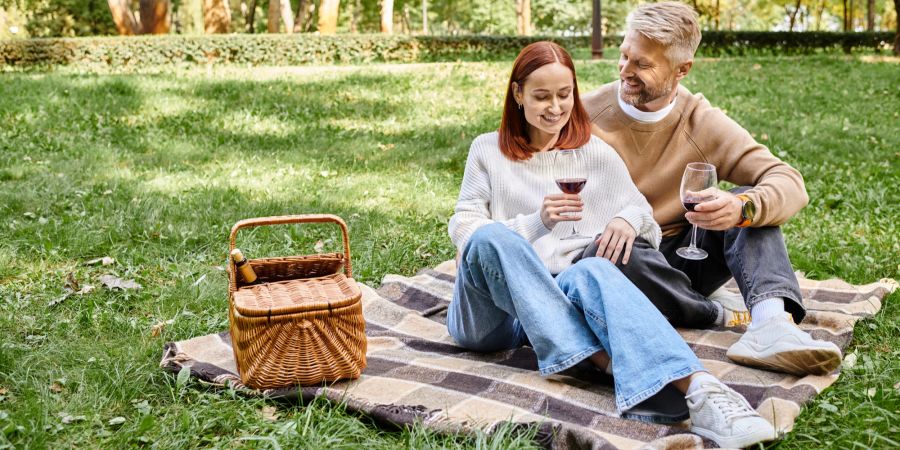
x=278 y=50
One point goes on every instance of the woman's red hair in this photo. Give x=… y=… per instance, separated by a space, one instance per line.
x=514 y=142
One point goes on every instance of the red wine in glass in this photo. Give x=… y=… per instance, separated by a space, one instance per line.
x=570 y=174
x=698 y=185
x=571 y=185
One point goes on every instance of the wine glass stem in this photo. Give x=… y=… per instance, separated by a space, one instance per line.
x=694 y=236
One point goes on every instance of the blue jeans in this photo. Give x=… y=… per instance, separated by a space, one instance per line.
x=756 y=257
x=505 y=298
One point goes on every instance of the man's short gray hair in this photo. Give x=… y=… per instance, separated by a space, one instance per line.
x=672 y=24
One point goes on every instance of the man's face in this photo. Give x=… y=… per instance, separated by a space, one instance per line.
x=648 y=78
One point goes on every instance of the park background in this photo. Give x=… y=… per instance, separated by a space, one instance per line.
x=147 y=149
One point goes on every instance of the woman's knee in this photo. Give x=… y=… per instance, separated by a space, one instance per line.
x=493 y=235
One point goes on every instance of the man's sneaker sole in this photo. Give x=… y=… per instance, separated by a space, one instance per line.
x=800 y=362
x=735 y=441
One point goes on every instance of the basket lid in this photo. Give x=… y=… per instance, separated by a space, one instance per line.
x=295 y=296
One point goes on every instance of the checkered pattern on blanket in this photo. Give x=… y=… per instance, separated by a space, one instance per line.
x=416 y=373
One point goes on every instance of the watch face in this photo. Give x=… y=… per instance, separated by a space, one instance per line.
x=748 y=210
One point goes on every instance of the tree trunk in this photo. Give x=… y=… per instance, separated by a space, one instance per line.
x=155 y=16
x=302 y=19
x=216 y=16
x=897 y=32
x=425 y=16
x=273 y=23
x=523 y=16
x=328 y=16
x=717 y=15
x=192 y=15
x=819 y=15
x=870 y=16
x=846 y=22
x=597 y=34
x=287 y=16
x=251 y=17
x=793 y=15
x=123 y=17
x=406 y=27
x=387 y=16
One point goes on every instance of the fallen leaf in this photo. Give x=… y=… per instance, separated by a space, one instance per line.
x=764 y=137
x=56 y=387
x=319 y=246
x=871 y=392
x=850 y=360
x=157 y=329
x=269 y=413
x=68 y=418
x=3 y=391
x=116 y=421
x=897 y=386
x=71 y=282
x=114 y=282
x=104 y=261
x=757 y=67
x=42 y=220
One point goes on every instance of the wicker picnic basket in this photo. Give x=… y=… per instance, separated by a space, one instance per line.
x=301 y=322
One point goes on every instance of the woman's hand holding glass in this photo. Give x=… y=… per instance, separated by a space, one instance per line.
x=555 y=205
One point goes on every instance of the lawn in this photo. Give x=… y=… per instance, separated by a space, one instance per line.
x=153 y=169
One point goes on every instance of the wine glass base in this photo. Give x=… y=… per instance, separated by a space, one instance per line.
x=693 y=253
x=574 y=236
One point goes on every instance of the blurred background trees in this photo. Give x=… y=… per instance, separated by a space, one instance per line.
x=62 y=18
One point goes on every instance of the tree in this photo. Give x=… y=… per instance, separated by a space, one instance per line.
x=155 y=17
x=523 y=17
x=328 y=16
x=793 y=15
x=870 y=16
x=216 y=16
x=280 y=11
x=122 y=15
x=301 y=22
x=387 y=16
x=191 y=14
x=424 y=16
x=897 y=33
x=597 y=33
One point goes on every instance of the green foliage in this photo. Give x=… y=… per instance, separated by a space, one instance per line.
x=60 y=18
x=284 y=50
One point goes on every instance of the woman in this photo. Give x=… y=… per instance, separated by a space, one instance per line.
x=516 y=283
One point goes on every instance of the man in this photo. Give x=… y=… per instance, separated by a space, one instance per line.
x=658 y=127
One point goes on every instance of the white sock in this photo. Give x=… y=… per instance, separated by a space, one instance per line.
x=698 y=379
x=720 y=315
x=765 y=310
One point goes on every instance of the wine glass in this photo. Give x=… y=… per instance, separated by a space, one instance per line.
x=698 y=185
x=571 y=176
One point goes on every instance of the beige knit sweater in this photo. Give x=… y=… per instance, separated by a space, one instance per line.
x=694 y=131
x=496 y=189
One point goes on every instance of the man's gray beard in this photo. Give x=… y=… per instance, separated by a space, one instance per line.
x=647 y=96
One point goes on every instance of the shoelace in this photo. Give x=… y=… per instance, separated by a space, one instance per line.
x=730 y=403
x=739 y=318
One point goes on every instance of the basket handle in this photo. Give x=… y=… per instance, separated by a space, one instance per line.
x=301 y=218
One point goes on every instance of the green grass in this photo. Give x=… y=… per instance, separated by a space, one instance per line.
x=153 y=169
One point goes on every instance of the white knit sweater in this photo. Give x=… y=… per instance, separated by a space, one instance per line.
x=496 y=189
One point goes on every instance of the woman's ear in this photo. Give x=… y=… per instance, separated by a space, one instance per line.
x=517 y=92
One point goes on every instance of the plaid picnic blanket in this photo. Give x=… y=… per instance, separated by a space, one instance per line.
x=416 y=373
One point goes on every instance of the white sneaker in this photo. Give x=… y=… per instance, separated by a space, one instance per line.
x=721 y=414
x=779 y=344
x=733 y=306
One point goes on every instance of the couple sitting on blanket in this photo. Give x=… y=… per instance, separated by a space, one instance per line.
x=613 y=299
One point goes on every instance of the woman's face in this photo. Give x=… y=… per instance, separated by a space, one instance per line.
x=547 y=97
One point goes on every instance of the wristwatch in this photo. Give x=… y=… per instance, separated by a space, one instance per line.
x=748 y=211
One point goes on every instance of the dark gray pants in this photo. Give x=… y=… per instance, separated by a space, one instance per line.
x=756 y=257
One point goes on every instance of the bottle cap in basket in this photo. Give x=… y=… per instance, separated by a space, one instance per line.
x=241 y=263
x=237 y=256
